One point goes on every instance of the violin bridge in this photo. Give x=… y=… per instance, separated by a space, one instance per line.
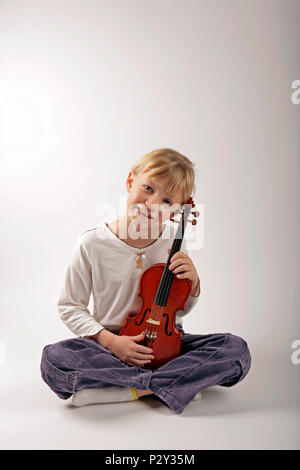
x=151 y=335
x=154 y=322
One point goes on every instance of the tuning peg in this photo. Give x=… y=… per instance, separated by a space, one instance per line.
x=193 y=222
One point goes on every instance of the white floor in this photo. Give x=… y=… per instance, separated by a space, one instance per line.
x=261 y=412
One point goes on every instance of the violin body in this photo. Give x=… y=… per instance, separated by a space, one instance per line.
x=158 y=321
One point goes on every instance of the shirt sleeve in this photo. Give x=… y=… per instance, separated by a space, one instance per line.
x=191 y=302
x=75 y=294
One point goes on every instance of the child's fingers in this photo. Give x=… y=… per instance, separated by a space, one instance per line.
x=143 y=349
x=137 y=336
x=142 y=356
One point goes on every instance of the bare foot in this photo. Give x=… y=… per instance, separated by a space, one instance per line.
x=142 y=393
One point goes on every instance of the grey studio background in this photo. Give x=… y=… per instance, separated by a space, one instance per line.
x=86 y=88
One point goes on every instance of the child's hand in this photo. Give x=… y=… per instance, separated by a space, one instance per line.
x=182 y=263
x=127 y=349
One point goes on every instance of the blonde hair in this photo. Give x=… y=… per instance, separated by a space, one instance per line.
x=169 y=163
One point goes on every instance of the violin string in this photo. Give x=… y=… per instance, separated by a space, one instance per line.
x=176 y=246
x=165 y=286
x=167 y=280
x=169 y=277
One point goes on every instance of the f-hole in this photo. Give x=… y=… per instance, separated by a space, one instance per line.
x=143 y=317
x=167 y=324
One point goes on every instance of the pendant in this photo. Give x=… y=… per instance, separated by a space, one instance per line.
x=138 y=259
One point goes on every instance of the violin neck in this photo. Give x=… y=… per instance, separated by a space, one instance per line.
x=164 y=287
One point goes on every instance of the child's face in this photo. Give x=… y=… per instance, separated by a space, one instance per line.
x=149 y=199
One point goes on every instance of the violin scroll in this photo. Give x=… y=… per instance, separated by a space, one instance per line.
x=194 y=213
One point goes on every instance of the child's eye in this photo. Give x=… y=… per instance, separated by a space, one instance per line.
x=168 y=201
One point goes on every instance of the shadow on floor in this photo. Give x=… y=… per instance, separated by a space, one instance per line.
x=215 y=401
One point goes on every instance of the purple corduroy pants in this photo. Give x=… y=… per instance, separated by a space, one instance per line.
x=205 y=361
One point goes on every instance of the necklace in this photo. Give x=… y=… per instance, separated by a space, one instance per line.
x=139 y=253
x=138 y=258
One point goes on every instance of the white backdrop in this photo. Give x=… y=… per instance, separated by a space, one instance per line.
x=86 y=88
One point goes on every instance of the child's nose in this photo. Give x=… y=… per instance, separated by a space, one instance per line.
x=151 y=205
x=153 y=208
x=151 y=200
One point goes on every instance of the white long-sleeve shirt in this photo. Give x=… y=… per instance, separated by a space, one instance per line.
x=104 y=265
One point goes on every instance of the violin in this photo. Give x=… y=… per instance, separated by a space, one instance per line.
x=162 y=294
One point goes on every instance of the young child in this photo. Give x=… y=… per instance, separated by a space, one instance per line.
x=98 y=365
